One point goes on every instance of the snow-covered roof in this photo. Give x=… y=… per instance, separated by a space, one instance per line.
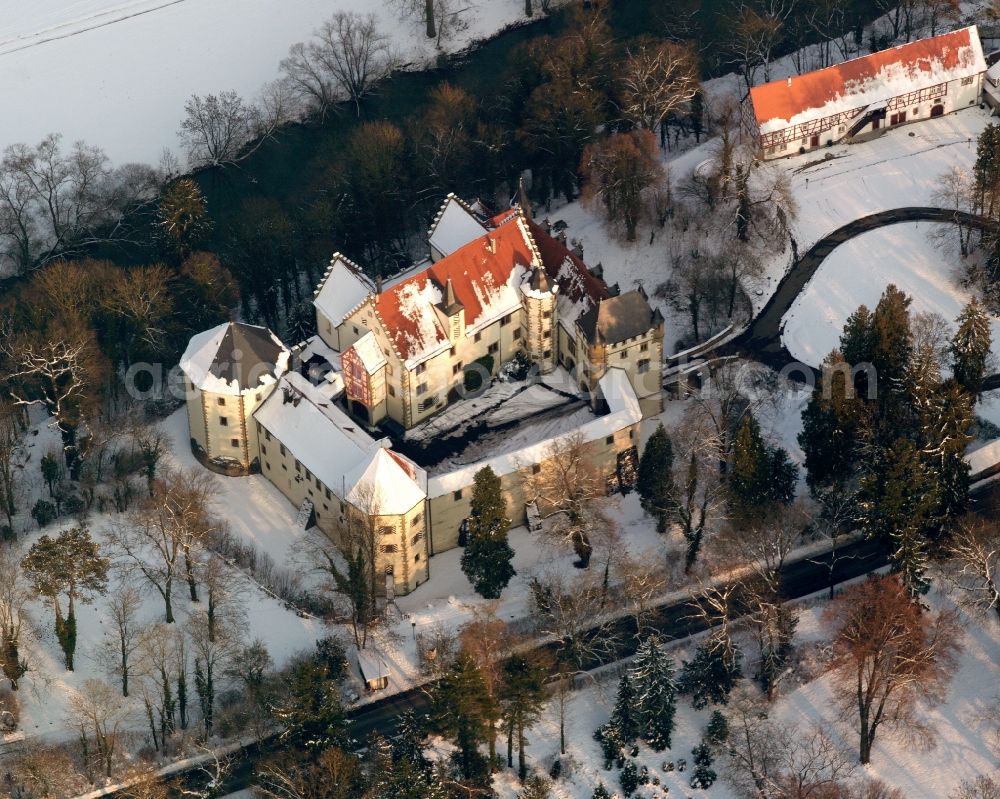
x=369 y=353
x=386 y=484
x=334 y=448
x=984 y=458
x=454 y=226
x=486 y=275
x=233 y=358
x=869 y=79
x=343 y=288
x=623 y=411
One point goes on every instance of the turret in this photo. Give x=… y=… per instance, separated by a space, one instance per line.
x=539 y=299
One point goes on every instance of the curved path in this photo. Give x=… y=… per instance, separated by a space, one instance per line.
x=762 y=340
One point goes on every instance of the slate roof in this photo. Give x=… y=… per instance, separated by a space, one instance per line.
x=617 y=319
x=234 y=357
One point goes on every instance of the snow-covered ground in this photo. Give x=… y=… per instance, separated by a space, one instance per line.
x=962 y=746
x=47 y=688
x=858 y=271
x=901 y=168
x=116 y=73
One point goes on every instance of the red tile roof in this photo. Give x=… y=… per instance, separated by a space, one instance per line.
x=787 y=98
x=478 y=271
x=554 y=255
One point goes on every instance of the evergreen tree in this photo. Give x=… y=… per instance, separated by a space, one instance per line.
x=624 y=718
x=857 y=342
x=892 y=353
x=535 y=787
x=50 y=471
x=970 y=347
x=312 y=715
x=829 y=427
x=461 y=709
x=611 y=744
x=182 y=221
x=655 y=484
x=600 y=792
x=522 y=696
x=69 y=564
x=629 y=778
x=946 y=435
x=712 y=673
x=393 y=777
x=761 y=476
x=656 y=687
x=703 y=775
x=487 y=556
x=897 y=499
x=717 y=732
x=411 y=740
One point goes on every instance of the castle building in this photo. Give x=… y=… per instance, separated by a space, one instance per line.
x=865 y=96
x=493 y=288
x=229 y=371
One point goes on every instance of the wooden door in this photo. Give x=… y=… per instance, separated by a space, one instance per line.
x=937 y=110
x=814 y=141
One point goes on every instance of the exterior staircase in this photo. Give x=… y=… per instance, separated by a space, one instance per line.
x=304 y=515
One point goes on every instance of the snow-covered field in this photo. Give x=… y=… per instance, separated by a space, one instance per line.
x=858 y=271
x=961 y=748
x=116 y=73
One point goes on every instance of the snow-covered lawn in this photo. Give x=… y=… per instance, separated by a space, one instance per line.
x=116 y=73
x=961 y=751
x=858 y=271
x=901 y=168
x=259 y=515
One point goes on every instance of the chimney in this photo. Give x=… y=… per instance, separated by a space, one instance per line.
x=491 y=244
x=789 y=80
x=378 y=283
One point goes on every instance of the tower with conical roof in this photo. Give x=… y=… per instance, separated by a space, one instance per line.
x=228 y=371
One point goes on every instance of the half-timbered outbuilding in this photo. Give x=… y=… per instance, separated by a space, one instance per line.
x=865 y=96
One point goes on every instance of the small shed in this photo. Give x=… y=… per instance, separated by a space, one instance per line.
x=374 y=670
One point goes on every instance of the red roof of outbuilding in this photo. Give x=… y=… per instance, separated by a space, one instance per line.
x=924 y=62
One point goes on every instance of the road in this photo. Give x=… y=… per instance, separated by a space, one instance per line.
x=673 y=621
x=762 y=340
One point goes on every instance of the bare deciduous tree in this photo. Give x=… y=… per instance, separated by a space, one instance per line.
x=55 y=204
x=13 y=458
x=221 y=129
x=569 y=611
x=572 y=495
x=124 y=639
x=660 y=79
x=100 y=713
x=162 y=539
x=58 y=371
x=487 y=641
x=156 y=660
x=14 y=595
x=973 y=566
x=769 y=760
x=345 y=59
x=889 y=655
